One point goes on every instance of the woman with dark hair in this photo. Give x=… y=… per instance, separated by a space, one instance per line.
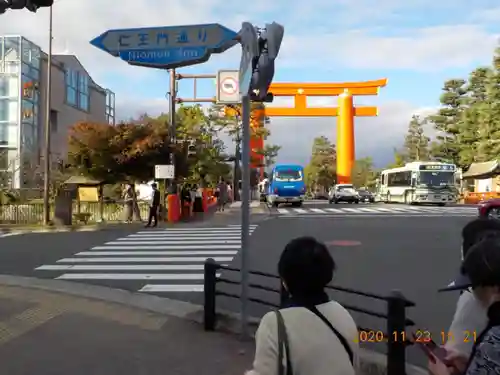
x=470 y=314
x=312 y=334
x=480 y=273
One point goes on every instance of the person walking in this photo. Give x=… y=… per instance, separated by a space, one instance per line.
x=480 y=272
x=154 y=204
x=222 y=195
x=311 y=334
x=128 y=202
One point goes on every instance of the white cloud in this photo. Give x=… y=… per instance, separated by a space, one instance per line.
x=426 y=49
x=345 y=33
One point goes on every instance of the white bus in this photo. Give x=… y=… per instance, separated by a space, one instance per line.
x=418 y=182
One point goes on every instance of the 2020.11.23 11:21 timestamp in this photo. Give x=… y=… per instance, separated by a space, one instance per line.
x=419 y=336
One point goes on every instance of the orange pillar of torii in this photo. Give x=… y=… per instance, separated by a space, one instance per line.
x=345 y=112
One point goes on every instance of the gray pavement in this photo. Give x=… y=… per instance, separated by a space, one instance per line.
x=47 y=333
x=415 y=254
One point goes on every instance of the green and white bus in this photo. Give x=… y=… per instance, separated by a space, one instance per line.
x=418 y=182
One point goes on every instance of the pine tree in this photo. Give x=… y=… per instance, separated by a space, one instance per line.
x=469 y=126
x=447 y=121
x=416 y=145
x=488 y=145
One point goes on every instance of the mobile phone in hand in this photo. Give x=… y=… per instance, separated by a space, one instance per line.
x=431 y=350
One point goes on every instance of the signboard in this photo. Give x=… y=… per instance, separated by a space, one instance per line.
x=227 y=87
x=437 y=167
x=164 y=172
x=166 y=47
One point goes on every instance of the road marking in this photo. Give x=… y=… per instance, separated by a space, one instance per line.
x=300 y=210
x=128 y=267
x=334 y=210
x=144 y=260
x=131 y=276
x=154 y=253
x=197 y=236
x=177 y=242
x=350 y=210
x=318 y=210
x=163 y=234
x=283 y=211
x=379 y=215
x=165 y=247
x=152 y=288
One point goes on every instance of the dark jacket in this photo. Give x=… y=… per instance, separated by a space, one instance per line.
x=485 y=356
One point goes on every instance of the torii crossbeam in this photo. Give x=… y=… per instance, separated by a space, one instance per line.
x=345 y=112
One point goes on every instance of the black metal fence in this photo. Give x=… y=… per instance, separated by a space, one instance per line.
x=395 y=315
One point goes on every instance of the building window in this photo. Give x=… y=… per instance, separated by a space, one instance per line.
x=77 y=90
x=83 y=92
x=53 y=120
x=9 y=110
x=8 y=134
x=71 y=87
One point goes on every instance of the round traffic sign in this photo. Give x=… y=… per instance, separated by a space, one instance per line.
x=229 y=86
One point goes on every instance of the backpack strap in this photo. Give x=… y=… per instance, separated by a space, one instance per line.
x=283 y=343
x=341 y=338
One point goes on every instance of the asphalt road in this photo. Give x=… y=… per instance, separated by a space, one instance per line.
x=415 y=253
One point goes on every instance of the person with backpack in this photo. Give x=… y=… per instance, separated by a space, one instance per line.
x=311 y=334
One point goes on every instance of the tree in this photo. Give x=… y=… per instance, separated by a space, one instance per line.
x=447 y=121
x=469 y=126
x=416 y=144
x=321 y=172
x=363 y=174
x=126 y=152
x=399 y=160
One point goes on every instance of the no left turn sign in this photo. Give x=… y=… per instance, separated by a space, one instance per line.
x=229 y=86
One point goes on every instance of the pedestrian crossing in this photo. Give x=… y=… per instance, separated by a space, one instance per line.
x=163 y=260
x=379 y=210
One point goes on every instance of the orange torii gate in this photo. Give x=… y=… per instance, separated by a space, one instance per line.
x=345 y=112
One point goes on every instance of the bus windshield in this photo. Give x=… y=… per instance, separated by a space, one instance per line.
x=288 y=175
x=436 y=179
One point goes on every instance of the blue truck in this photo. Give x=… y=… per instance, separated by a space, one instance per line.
x=286 y=185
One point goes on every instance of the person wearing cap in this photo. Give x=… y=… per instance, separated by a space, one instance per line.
x=480 y=272
x=470 y=315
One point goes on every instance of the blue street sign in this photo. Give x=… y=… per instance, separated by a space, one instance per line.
x=167 y=47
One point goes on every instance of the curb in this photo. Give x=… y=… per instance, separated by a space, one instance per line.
x=89 y=228
x=371 y=362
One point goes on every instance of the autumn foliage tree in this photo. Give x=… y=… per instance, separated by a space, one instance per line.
x=125 y=152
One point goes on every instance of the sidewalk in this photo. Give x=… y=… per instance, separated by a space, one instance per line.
x=53 y=327
x=47 y=333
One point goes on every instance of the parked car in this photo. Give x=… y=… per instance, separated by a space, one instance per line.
x=366 y=196
x=343 y=193
x=489 y=208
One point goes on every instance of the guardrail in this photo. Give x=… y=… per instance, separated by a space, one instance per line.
x=395 y=316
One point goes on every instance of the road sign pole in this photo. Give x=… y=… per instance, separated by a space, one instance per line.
x=245 y=211
x=173 y=128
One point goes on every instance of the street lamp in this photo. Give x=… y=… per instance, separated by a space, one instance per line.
x=48 y=105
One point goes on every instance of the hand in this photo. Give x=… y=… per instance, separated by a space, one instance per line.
x=457 y=360
x=436 y=367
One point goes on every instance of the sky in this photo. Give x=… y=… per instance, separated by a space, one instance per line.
x=416 y=44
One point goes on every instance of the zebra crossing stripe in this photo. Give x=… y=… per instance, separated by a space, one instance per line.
x=154 y=261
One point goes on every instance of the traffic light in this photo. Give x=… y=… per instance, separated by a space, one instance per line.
x=269 y=43
x=31 y=5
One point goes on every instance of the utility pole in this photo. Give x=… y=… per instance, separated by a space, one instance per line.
x=48 y=103
x=173 y=129
x=237 y=169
